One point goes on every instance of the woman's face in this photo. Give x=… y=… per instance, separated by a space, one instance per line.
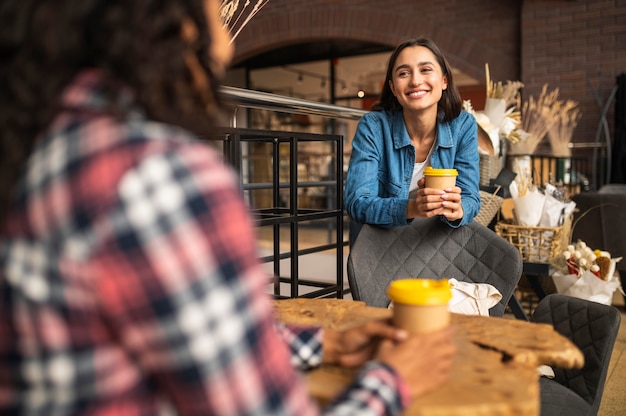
x=417 y=79
x=221 y=48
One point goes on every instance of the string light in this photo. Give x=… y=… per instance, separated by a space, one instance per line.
x=323 y=78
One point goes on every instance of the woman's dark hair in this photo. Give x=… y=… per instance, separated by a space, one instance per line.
x=450 y=104
x=45 y=43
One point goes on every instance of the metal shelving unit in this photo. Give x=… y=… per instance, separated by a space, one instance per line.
x=279 y=153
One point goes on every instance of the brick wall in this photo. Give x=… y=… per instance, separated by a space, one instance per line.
x=577 y=46
x=471 y=32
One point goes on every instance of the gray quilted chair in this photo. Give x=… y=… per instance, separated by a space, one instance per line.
x=593 y=327
x=428 y=248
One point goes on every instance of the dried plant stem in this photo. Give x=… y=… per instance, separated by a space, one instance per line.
x=511 y=94
x=237 y=14
x=488 y=82
x=523 y=179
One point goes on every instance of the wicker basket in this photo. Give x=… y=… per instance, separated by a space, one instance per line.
x=489 y=167
x=536 y=244
x=489 y=206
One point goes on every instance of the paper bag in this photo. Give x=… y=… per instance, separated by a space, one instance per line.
x=528 y=208
x=555 y=211
x=587 y=286
x=495 y=109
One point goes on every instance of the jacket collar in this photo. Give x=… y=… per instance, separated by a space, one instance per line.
x=401 y=136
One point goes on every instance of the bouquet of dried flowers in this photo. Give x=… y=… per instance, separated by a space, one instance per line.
x=505 y=101
x=561 y=132
x=585 y=273
x=501 y=118
x=538 y=116
x=579 y=258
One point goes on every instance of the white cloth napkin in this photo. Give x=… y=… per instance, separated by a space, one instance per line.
x=545 y=371
x=472 y=298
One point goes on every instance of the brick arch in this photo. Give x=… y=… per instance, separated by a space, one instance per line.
x=276 y=28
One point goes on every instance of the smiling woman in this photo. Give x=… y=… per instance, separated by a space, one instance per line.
x=419 y=122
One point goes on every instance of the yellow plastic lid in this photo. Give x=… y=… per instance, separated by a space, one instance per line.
x=420 y=291
x=430 y=171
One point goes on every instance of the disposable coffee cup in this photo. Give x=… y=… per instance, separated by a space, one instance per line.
x=420 y=305
x=439 y=178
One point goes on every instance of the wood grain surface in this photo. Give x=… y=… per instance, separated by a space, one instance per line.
x=494 y=370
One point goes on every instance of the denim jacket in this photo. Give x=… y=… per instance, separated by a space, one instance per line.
x=382 y=162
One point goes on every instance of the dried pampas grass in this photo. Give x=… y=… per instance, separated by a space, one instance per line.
x=561 y=132
x=509 y=92
x=236 y=14
x=538 y=117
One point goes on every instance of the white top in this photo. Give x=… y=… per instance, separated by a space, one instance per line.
x=418 y=173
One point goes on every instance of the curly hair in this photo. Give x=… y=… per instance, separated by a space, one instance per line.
x=450 y=104
x=45 y=43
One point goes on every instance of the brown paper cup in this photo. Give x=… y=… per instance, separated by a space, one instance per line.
x=420 y=319
x=420 y=305
x=440 y=178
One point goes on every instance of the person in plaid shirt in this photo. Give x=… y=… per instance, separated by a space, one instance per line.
x=129 y=281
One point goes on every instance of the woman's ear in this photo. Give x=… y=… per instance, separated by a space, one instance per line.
x=391 y=87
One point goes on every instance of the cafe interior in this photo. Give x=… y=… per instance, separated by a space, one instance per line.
x=545 y=81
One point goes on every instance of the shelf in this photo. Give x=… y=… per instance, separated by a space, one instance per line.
x=267 y=162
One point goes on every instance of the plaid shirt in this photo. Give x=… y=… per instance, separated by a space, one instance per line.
x=129 y=283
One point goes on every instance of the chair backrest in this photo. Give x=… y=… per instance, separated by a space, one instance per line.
x=428 y=248
x=593 y=328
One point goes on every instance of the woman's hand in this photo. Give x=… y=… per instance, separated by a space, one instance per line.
x=353 y=347
x=424 y=361
x=430 y=202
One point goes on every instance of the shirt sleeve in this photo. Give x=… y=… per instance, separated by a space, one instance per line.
x=363 y=201
x=305 y=345
x=185 y=294
x=376 y=390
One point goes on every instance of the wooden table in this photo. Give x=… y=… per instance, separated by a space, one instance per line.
x=494 y=371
